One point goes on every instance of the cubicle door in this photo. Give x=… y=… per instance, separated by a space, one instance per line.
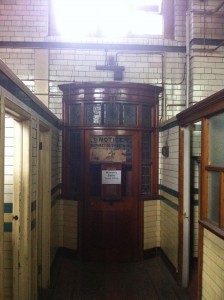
x=111 y=210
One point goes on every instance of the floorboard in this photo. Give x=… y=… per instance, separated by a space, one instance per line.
x=75 y=280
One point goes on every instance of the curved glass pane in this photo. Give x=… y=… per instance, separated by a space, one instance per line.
x=111 y=114
x=75 y=114
x=146 y=116
x=93 y=114
x=130 y=115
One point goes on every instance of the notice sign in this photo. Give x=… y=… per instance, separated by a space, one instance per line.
x=107 y=148
x=111 y=176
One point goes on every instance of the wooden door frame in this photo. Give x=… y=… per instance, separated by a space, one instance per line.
x=22 y=190
x=182 y=279
x=2 y=146
x=140 y=225
x=44 y=207
x=184 y=165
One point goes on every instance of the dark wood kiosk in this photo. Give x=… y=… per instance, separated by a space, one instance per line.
x=110 y=164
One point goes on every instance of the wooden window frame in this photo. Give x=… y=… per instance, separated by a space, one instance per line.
x=202 y=111
x=217 y=229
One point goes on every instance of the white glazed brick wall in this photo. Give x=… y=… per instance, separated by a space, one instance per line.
x=168 y=166
x=55 y=231
x=169 y=233
x=206 y=62
x=180 y=24
x=168 y=178
x=213 y=267
x=8 y=198
x=151 y=224
x=207 y=25
x=195 y=165
x=175 y=85
x=80 y=66
x=8 y=168
x=70 y=224
x=21 y=62
x=28 y=21
x=206 y=75
x=24 y=20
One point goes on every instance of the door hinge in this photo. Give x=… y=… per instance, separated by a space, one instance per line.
x=40 y=146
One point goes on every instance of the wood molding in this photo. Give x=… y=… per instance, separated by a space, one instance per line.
x=180 y=212
x=207 y=107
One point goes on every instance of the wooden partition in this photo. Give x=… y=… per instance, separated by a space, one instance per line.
x=210 y=112
x=110 y=164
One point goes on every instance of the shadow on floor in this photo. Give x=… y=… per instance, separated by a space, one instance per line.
x=76 y=280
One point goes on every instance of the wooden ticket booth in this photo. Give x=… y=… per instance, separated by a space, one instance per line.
x=110 y=164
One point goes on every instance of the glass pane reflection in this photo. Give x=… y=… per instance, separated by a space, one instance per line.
x=216 y=140
x=213 y=196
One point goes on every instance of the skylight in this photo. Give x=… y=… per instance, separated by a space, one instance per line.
x=115 y=18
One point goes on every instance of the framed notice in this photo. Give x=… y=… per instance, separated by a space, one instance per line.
x=111 y=176
x=106 y=148
x=111 y=181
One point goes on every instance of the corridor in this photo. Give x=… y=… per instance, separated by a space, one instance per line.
x=149 y=279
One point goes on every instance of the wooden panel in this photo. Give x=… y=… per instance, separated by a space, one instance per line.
x=2 y=129
x=180 y=215
x=207 y=107
x=88 y=173
x=112 y=229
x=124 y=91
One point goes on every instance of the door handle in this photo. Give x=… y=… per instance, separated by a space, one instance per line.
x=16 y=218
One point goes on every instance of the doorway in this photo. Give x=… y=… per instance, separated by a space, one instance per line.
x=44 y=207
x=189 y=182
x=111 y=214
x=21 y=211
x=17 y=202
x=195 y=164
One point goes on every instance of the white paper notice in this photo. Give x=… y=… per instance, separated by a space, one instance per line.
x=111 y=177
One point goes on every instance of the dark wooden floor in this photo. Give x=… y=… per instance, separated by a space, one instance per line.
x=149 y=279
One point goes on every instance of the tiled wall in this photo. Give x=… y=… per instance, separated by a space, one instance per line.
x=213 y=267
x=206 y=56
x=56 y=153
x=151 y=224
x=68 y=215
x=195 y=181
x=161 y=62
x=9 y=194
x=69 y=224
x=168 y=179
x=8 y=206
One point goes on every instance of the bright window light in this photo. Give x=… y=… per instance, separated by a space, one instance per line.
x=114 y=18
